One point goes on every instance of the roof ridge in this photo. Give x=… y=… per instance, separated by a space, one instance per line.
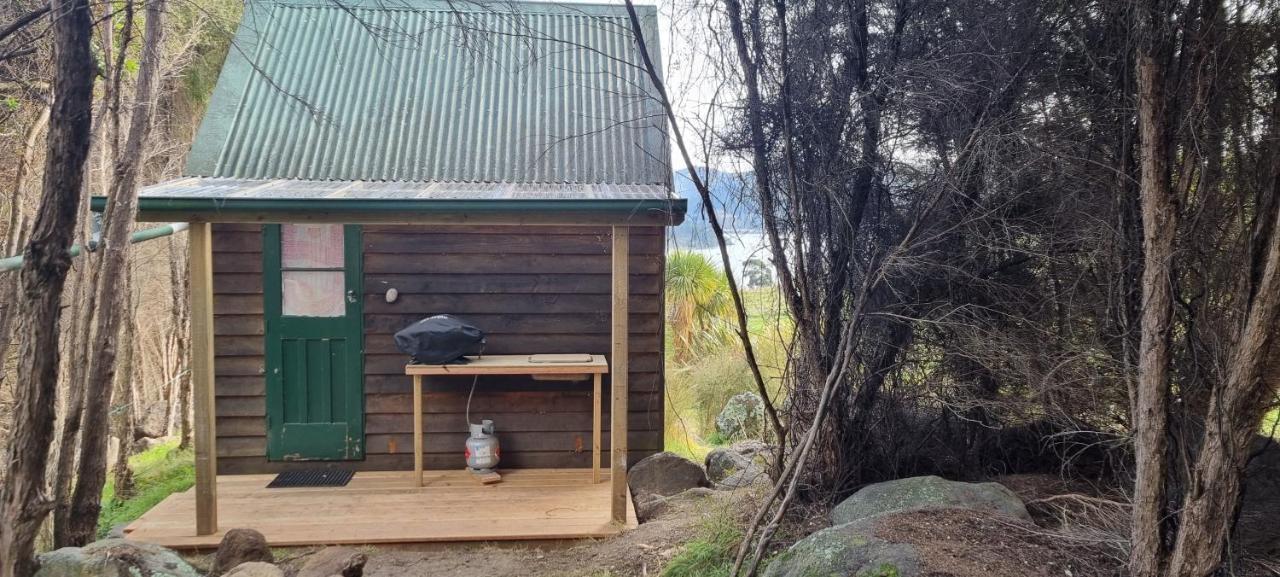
x=470 y=6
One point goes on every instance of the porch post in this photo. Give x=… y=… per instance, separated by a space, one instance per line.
x=618 y=376
x=201 y=269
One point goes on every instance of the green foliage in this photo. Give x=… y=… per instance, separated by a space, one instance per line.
x=711 y=552
x=716 y=439
x=12 y=103
x=212 y=21
x=885 y=570
x=699 y=304
x=1271 y=424
x=158 y=473
x=705 y=370
x=695 y=394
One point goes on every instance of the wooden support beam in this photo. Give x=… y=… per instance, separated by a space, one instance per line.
x=618 y=375
x=417 y=430
x=596 y=401
x=205 y=437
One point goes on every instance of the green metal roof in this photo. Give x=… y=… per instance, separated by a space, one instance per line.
x=427 y=91
x=212 y=199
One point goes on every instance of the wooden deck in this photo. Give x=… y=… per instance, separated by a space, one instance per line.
x=386 y=507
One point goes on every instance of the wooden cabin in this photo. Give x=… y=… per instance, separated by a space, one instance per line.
x=365 y=165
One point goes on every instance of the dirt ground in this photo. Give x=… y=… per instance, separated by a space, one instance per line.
x=1074 y=535
x=636 y=553
x=955 y=543
x=641 y=552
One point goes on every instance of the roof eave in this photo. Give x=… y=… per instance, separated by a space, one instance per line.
x=627 y=212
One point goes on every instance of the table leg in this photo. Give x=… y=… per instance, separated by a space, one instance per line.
x=417 y=430
x=595 y=430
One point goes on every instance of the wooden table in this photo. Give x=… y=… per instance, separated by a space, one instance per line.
x=509 y=365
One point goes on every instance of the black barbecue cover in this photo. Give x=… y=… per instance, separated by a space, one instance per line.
x=439 y=340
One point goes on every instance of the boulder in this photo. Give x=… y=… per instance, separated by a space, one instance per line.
x=930 y=492
x=742 y=417
x=152 y=421
x=147 y=443
x=663 y=475
x=117 y=531
x=113 y=558
x=241 y=546
x=330 y=561
x=741 y=464
x=851 y=549
x=254 y=569
x=654 y=506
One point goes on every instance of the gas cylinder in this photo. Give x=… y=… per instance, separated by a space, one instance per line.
x=482 y=447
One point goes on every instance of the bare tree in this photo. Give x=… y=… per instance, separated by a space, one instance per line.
x=46 y=259
x=1149 y=399
x=117 y=225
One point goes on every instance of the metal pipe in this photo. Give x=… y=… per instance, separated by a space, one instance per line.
x=15 y=262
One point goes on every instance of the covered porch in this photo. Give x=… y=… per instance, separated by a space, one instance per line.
x=386 y=507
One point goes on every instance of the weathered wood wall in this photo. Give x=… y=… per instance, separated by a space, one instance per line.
x=533 y=289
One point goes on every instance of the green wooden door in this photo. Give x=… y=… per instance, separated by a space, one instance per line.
x=314 y=345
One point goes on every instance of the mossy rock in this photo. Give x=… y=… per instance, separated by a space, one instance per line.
x=741 y=464
x=114 y=558
x=917 y=493
x=741 y=418
x=849 y=550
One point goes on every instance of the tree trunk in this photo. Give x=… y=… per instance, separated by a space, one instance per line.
x=84 y=297
x=122 y=475
x=181 y=314
x=1236 y=409
x=75 y=346
x=118 y=222
x=17 y=233
x=23 y=503
x=1149 y=399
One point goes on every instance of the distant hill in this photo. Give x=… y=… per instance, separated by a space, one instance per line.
x=734 y=202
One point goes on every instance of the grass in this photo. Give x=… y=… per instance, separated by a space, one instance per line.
x=1271 y=424
x=158 y=472
x=711 y=552
x=697 y=389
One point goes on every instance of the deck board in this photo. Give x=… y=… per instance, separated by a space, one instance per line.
x=385 y=507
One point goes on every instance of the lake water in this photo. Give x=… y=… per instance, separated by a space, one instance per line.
x=742 y=247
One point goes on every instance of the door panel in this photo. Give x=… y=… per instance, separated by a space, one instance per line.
x=314 y=345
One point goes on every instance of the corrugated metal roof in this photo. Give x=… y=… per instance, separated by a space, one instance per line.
x=450 y=92
x=289 y=189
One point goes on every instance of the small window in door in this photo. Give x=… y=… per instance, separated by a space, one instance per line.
x=311 y=270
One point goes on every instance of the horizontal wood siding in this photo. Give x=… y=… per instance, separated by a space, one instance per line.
x=533 y=289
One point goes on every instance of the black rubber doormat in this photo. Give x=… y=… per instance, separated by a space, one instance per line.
x=312 y=478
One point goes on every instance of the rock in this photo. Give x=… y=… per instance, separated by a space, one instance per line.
x=742 y=417
x=663 y=475
x=930 y=492
x=241 y=546
x=653 y=506
x=254 y=569
x=113 y=558
x=851 y=549
x=148 y=443
x=117 y=531
x=152 y=421
x=742 y=464
x=330 y=561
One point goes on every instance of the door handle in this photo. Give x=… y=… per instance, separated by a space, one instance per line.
x=351 y=296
